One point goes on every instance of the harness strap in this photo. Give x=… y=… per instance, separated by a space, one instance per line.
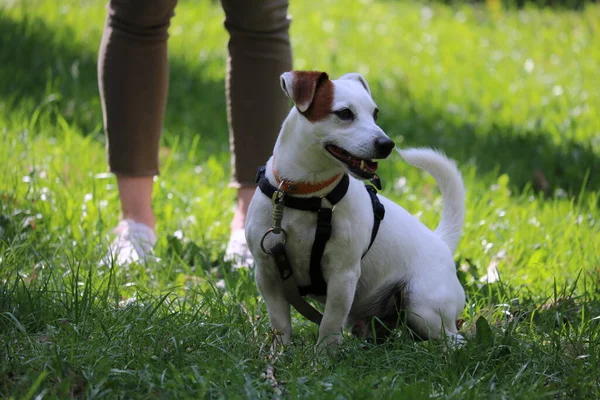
x=378 y=214
x=318 y=286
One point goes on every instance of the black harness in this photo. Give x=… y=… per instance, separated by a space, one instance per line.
x=318 y=285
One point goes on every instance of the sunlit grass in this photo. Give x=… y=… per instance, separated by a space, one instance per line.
x=512 y=95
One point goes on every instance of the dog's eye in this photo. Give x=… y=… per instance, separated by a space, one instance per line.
x=345 y=114
x=376 y=114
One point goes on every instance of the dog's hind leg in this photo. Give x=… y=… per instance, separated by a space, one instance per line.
x=432 y=311
x=429 y=323
x=341 y=289
x=278 y=307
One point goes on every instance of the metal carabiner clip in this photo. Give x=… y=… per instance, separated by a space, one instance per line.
x=271 y=230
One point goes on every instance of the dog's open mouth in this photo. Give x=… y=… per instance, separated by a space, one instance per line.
x=362 y=168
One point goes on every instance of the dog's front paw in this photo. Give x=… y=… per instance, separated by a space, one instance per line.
x=282 y=337
x=279 y=341
x=456 y=341
x=329 y=346
x=330 y=340
x=276 y=348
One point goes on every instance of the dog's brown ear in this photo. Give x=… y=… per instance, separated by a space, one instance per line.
x=301 y=86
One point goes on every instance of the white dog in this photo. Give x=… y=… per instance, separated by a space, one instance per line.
x=330 y=133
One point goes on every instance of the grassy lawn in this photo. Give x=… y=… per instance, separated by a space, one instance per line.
x=512 y=95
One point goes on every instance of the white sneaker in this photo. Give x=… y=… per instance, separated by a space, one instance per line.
x=134 y=243
x=237 y=250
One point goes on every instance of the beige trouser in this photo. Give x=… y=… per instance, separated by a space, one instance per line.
x=133 y=78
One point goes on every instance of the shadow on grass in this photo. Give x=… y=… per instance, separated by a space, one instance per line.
x=558 y=4
x=38 y=64
x=528 y=157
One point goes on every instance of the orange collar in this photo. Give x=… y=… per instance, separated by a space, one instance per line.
x=302 y=187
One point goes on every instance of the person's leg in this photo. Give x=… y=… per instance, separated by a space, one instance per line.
x=133 y=81
x=135 y=194
x=244 y=196
x=259 y=52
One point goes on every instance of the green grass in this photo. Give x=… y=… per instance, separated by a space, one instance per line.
x=510 y=94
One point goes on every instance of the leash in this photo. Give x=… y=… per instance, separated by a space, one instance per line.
x=290 y=289
x=292 y=293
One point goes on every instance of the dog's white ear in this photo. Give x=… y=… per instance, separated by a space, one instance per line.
x=286 y=80
x=301 y=86
x=357 y=77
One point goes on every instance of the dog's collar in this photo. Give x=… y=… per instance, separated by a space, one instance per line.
x=304 y=203
x=291 y=187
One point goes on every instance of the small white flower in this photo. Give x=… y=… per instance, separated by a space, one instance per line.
x=557 y=90
x=529 y=65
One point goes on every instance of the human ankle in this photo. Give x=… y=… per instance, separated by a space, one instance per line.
x=147 y=218
x=244 y=196
x=135 y=194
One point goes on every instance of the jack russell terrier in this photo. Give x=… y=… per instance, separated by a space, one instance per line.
x=359 y=253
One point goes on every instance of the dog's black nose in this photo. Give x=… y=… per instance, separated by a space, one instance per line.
x=384 y=146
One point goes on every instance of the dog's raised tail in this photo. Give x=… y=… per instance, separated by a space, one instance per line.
x=449 y=178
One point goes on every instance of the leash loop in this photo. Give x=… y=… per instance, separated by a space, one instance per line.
x=272 y=230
